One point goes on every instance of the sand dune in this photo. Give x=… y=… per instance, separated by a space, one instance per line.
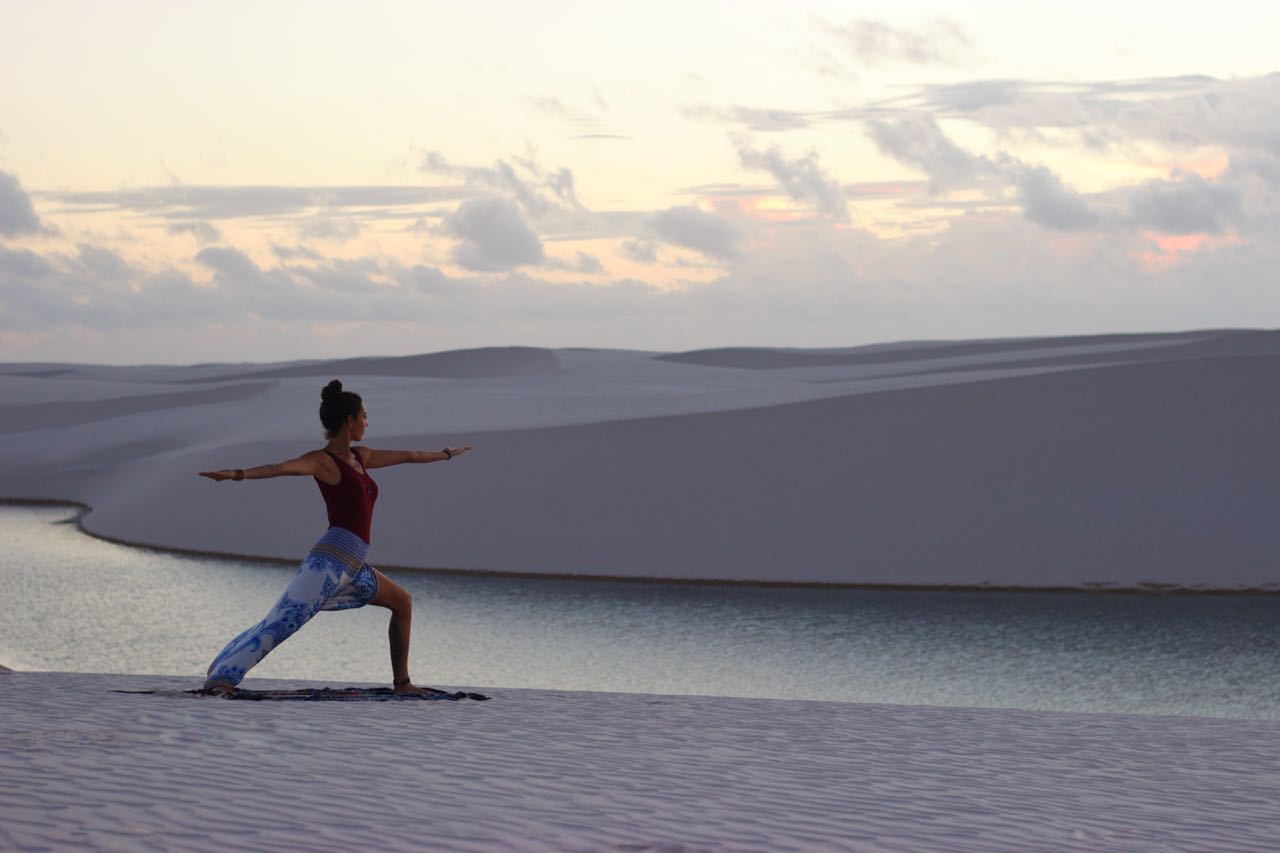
x=760 y=358
x=535 y=769
x=64 y=413
x=1133 y=475
x=1111 y=461
x=457 y=364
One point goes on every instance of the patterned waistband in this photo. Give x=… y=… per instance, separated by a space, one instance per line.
x=344 y=546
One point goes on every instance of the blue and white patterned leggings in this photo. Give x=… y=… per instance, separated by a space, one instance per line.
x=334 y=576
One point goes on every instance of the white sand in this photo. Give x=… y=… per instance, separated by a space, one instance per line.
x=83 y=767
x=1114 y=461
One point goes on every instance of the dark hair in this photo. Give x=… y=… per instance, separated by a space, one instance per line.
x=336 y=406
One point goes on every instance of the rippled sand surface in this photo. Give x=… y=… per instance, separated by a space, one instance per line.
x=533 y=769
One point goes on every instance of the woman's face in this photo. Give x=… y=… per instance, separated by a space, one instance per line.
x=358 y=423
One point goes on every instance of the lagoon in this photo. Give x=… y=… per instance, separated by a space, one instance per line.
x=76 y=603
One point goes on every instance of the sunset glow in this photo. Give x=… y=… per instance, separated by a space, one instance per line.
x=592 y=162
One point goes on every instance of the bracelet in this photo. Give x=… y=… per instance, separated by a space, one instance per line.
x=448 y=454
x=239 y=474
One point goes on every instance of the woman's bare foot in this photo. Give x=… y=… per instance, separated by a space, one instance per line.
x=408 y=689
x=220 y=688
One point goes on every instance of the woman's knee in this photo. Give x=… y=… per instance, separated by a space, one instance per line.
x=392 y=596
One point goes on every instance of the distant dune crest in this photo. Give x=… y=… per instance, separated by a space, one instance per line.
x=486 y=363
x=772 y=358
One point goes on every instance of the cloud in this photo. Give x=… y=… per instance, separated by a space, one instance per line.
x=291 y=253
x=974 y=96
x=1006 y=246
x=93 y=288
x=940 y=42
x=582 y=262
x=583 y=107
x=1189 y=118
x=551 y=105
x=202 y=231
x=492 y=236
x=22 y=264
x=1184 y=111
x=206 y=203
x=582 y=100
x=321 y=227
x=918 y=141
x=547 y=198
x=1046 y=201
x=764 y=120
x=357 y=276
x=535 y=189
x=809 y=284
x=1042 y=195
x=17 y=216
x=1188 y=205
x=687 y=226
x=1249 y=166
x=802 y=178
x=305 y=292
x=770 y=119
x=104 y=266
x=231 y=264
x=641 y=251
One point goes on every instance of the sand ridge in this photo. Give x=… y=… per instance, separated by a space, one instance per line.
x=484 y=363
x=1092 y=462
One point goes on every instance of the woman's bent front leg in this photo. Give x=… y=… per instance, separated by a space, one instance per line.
x=397 y=599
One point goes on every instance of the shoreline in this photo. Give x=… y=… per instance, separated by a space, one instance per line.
x=1146 y=589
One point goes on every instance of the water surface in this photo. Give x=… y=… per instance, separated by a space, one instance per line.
x=72 y=602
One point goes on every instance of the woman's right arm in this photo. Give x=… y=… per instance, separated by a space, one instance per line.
x=304 y=465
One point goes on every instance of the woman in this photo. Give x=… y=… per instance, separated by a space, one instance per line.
x=334 y=576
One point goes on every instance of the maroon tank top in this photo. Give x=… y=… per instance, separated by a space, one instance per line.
x=350 y=500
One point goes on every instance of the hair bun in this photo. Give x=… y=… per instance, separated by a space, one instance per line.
x=332 y=391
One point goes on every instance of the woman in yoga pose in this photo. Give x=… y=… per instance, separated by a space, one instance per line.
x=334 y=576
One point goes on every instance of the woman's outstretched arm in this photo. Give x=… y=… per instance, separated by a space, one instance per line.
x=382 y=458
x=305 y=465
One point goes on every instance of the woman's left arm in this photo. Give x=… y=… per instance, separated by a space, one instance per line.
x=382 y=458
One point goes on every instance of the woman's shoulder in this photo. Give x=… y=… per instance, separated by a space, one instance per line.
x=326 y=469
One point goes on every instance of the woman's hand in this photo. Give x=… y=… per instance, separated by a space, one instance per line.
x=224 y=474
x=457 y=451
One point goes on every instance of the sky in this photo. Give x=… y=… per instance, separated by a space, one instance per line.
x=187 y=182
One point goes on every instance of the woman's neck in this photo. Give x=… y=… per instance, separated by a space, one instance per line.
x=340 y=445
